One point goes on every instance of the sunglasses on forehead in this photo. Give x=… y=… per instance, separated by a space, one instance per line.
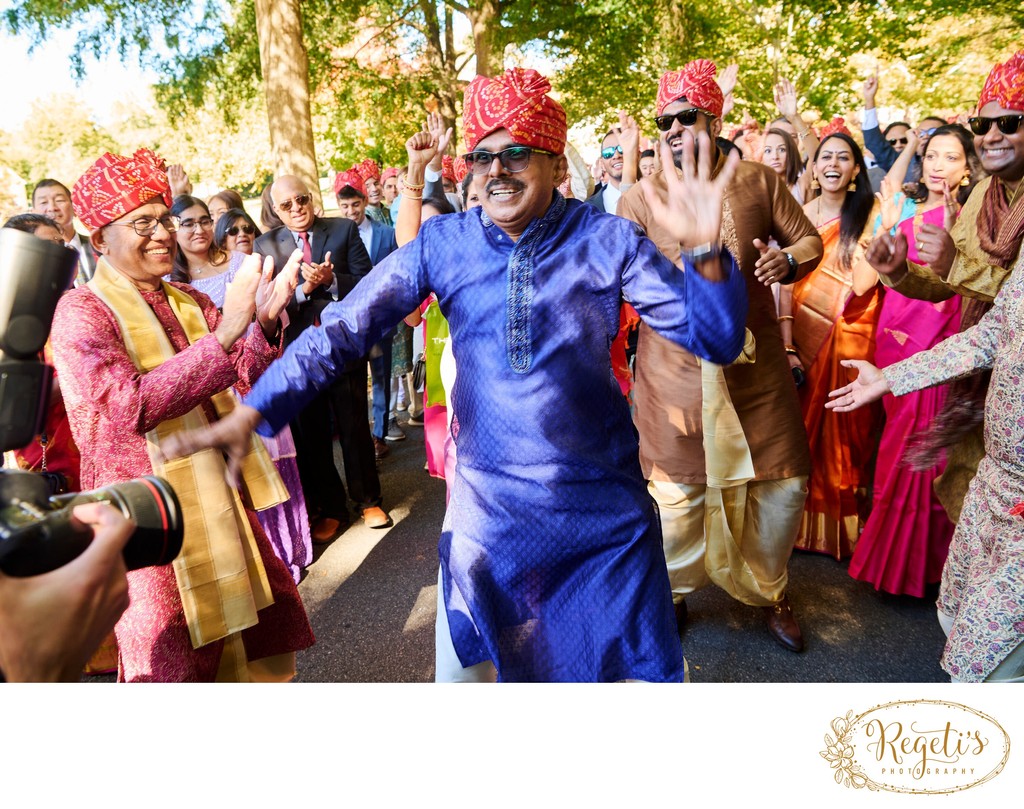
x=685 y=118
x=234 y=230
x=1008 y=124
x=302 y=200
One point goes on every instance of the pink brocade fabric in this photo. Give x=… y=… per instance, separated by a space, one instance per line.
x=111 y=406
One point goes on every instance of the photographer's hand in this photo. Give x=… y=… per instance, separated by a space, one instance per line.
x=52 y=623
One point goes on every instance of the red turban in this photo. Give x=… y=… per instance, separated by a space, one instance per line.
x=460 y=169
x=368 y=169
x=836 y=125
x=391 y=171
x=697 y=83
x=518 y=101
x=351 y=178
x=448 y=168
x=115 y=185
x=1005 y=84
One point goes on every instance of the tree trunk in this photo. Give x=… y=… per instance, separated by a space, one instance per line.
x=285 y=68
x=483 y=17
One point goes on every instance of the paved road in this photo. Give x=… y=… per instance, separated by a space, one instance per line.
x=371 y=597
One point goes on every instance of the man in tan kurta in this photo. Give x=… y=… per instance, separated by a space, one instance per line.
x=957 y=263
x=724 y=448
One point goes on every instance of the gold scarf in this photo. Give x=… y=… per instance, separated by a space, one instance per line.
x=220 y=574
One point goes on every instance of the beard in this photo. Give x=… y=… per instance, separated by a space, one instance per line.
x=677 y=157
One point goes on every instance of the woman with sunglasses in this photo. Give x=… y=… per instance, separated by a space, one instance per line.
x=905 y=540
x=235 y=231
x=835 y=311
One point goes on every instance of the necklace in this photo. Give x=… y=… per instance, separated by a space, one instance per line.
x=201 y=270
x=818 y=223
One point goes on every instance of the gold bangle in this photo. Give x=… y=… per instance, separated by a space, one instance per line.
x=413 y=187
x=780 y=318
x=791 y=350
x=410 y=196
x=803 y=134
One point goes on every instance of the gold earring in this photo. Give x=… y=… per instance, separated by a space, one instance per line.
x=814 y=183
x=852 y=186
x=966 y=181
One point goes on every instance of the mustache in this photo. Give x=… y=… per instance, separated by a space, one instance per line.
x=504 y=182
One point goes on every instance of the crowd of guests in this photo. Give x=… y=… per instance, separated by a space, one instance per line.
x=740 y=395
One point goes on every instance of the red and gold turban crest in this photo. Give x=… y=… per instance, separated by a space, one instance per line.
x=696 y=82
x=836 y=125
x=518 y=101
x=1005 y=84
x=116 y=184
x=351 y=178
x=368 y=169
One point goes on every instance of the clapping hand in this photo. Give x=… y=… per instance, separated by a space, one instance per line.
x=868 y=387
x=315 y=275
x=274 y=294
x=240 y=301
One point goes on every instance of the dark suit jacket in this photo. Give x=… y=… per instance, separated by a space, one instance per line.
x=597 y=199
x=382 y=245
x=86 y=255
x=340 y=237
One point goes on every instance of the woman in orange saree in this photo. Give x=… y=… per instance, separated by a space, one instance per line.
x=836 y=309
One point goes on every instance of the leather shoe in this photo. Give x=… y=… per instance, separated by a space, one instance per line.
x=376 y=517
x=680 y=610
x=783 y=626
x=380 y=449
x=325 y=529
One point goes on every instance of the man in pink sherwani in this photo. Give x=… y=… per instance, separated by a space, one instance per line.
x=140 y=359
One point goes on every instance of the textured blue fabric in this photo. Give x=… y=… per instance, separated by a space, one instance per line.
x=551 y=549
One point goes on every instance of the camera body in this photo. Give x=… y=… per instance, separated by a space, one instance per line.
x=37 y=531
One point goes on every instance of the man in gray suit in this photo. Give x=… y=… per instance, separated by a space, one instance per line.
x=52 y=198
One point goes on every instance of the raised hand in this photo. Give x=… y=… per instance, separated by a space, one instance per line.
x=951 y=207
x=869 y=90
x=890 y=198
x=887 y=254
x=772 y=266
x=727 y=82
x=868 y=387
x=274 y=294
x=240 y=301
x=629 y=133
x=420 y=149
x=441 y=136
x=693 y=212
x=785 y=99
x=178 y=180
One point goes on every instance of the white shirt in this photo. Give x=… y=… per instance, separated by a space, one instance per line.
x=611 y=198
x=366 y=234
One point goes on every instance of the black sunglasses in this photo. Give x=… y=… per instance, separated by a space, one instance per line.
x=685 y=118
x=609 y=152
x=302 y=200
x=514 y=159
x=901 y=141
x=1008 y=124
x=234 y=230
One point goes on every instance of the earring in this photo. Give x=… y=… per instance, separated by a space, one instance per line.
x=852 y=186
x=814 y=183
x=966 y=181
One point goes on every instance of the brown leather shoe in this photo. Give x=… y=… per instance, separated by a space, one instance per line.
x=783 y=626
x=325 y=529
x=375 y=517
x=680 y=610
x=380 y=449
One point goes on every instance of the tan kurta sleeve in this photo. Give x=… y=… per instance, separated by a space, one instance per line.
x=792 y=229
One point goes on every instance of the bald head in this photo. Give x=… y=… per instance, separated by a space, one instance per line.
x=292 y=202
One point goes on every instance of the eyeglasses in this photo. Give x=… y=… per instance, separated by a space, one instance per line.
x=685 y=118
x=1008 y=124
x=234 y=230
x=146 y=225
x=302 y=200
x=204 y=222
x=514 y=159
x=899 y=141
x=927 y=133
x=609 y=153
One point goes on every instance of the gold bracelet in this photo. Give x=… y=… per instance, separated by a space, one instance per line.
x=413 y=187
x=410 y=196
x=780 y=318
x=803 y=134
x=790 y=349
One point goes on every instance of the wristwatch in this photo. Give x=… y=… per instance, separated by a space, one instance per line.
x=790 y=276
x=701 y=252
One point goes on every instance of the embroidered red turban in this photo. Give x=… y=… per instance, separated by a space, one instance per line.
x=697 y=83
x=836 y=125
x=518 y=101
x=391 y=171
x=368 y=169
x=1005 y=84
x=460 y=169
x=448 y=168
x=116 y=184
x=351 y=178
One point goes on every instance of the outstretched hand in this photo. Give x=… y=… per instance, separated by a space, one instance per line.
x=440 y=135
x=868 y=387
x=693 y=212
x=232 y=435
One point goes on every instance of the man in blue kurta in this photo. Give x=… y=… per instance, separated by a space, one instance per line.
x=551 y=560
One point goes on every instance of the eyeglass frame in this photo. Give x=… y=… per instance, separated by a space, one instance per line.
x=503 y=157
x=302 y=200
x=999 y=121
x=204 y=222
x=613 y=150
x=156 y=220
x=668 y=119
x=902 y=141
x=247 y=229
